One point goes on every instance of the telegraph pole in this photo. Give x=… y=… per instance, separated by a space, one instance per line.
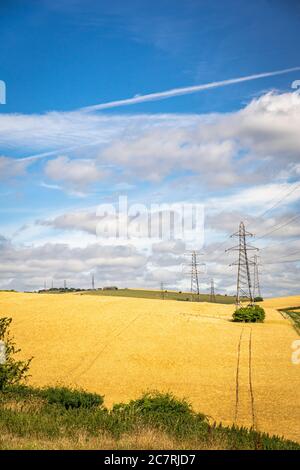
x=212 y=297
x=93 y=281
x=244 y=286
x=256 y=284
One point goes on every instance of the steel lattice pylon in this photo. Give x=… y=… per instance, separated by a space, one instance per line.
x=192 y=268
x=256 y=285
x=244 y=285
x=194 y=276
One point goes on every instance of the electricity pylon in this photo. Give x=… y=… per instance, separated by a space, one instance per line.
x=194 y=277
x=244 y=286
x=256 y=284
x=212 y=297
x=192 y=269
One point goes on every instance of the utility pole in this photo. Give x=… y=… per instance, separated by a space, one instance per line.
x=256 y=284
x=45 y=284
x=93 y=281
x=244 y=286
x=65 y=284
x=212 y=297
x=52 y=285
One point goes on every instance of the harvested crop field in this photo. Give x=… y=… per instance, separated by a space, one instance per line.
x=120 y=347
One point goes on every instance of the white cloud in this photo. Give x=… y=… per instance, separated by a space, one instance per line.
x=254 y=145
x=81 y=220
x=252 y=153
x=29 y=266
x=75 y=174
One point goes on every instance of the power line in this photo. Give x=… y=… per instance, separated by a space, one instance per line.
x=287 y=254
x=279 y=227
x=219 y=245
x=284 y=261
x=279 y=201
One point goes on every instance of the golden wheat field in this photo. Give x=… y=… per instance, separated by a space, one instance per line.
x=120 y=347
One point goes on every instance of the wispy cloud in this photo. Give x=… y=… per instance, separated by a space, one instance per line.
x=85 y=132
x=184 y=90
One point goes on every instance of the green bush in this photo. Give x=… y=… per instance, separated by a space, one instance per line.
x=162 y=411
x=12 y=371
x=249 y=314
x=160 y=407
x=71 y=398
x=34 y=420
x=155 y=402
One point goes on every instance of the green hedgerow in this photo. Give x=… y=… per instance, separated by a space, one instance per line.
x=12 y=371
x=71 y=398
x=249 y=314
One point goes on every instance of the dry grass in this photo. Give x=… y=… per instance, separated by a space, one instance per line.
x=144 y=439
x=121 y=347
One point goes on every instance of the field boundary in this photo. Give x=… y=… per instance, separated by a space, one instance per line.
x=293 y=315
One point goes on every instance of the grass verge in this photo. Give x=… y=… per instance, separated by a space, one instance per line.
x=32 y=418
x=294 y=314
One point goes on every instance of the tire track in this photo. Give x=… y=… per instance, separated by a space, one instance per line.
x=244 y=395
x=199 y=316
x=237 y=377
x=250 y=381
x=96 y=357
x=83 y=356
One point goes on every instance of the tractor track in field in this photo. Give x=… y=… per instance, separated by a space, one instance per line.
x=237 y=376
x=200 y=316
x=250 y=380
x=244 y=378
x=100 y=351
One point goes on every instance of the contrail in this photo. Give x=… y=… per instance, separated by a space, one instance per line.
x=183 y=91
x=51 y=153
x=155 y=97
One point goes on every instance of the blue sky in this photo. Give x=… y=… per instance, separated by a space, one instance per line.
x=62 y=55
x=233 y=148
